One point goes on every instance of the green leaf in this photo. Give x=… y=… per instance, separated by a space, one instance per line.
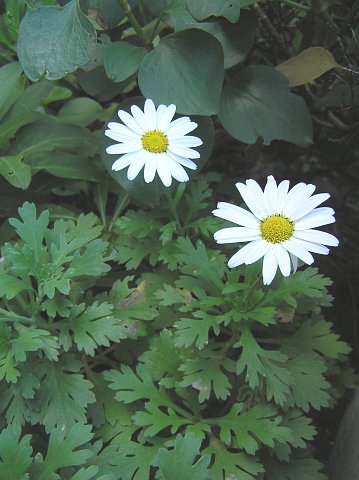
x=31 y=339
x=269 y=365
x=186 y=68
x=31 y=229
x=131 y=387
x=296 y=469
x=15 y=454
x=196 y=330
x=55 y=41
x=80 y=111
x=230 y=9
x=11 y=86
x=181 y=459
x=156 y=419
x=163 y=358
x=260 y=424
x=258 y=103
x=316 y=335
x=63 y=396
x=64 y=450
x=92 y=327
x=128 y=459
x=208 y=373
x=66 y=165
x=236 y=39
x=122 y=59
x=15 y=171
x=10 y=286
x=310 y=386
x=196 y=261
x=232 y=465
x=46 y=137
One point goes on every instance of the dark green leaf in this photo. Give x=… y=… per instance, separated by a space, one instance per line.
x=80 y=111
x=122 y=59
x=230 y=9
x=181 y=459
x=15 y=454
x=55 y=41
x=258 y=103
x=186 y=68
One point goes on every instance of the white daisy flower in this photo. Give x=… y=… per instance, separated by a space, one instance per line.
x=152 y=140
x=280 y=227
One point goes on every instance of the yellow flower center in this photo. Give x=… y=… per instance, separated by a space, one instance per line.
x=155 y=141
x=276 y=228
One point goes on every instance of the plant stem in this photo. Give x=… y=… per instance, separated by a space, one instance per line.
x=174 y=211
x=291 y=3
x=121 y=204
x=125 y=7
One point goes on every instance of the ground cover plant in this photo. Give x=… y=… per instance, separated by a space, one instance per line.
x=166 y=308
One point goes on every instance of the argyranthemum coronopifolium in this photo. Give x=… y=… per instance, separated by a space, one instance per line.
x=151 y=139
x=279 y=228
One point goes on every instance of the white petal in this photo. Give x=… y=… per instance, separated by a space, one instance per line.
x=118 y=148
x=294 y=261
x=130 y=122
x=239 y=257
x=236 y=234
x=165 y=116
x=150 y=113
x=135 y=167
x=293 y=246
x=316 y=236
x=183 y=151
x=308 y=205
x=253 y=197
x=186 y=162
x=283 y=260
x=177 y=171
x=164 y=172
x=140 y=117
x=124 y=161
x=124 y=130
x=121 y=137
x=312 y=247
x=179 y=127
x=270 y=195
x=150 y=168
x=270 y=266
x=235 y=214
x=256 y=250
x=282 y=191
x=186 y=141
x=296 y=196
x=312 y=221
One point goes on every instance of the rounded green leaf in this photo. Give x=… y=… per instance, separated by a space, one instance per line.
x=258 y=103
x=96 y=84
x=80 y=111
x=149 y=193
x=236 y=40
x=186 y=68
x=122 y=59
x=229 y=9
x=55 y=41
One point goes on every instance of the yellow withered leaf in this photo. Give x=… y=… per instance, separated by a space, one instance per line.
x=307 y=66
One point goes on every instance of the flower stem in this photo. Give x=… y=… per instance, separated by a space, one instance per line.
x=125 y=7
x=174 y=211
x=121 y=204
